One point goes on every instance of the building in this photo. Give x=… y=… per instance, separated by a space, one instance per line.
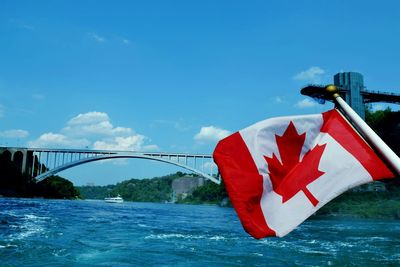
x=351 y=88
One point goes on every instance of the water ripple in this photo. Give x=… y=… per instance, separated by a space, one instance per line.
x=92 y=233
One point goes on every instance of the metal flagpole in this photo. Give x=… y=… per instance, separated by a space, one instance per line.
x=372 y=138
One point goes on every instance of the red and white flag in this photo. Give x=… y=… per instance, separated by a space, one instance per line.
x=280 y=171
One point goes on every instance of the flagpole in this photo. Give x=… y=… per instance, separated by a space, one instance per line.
x=372 y=138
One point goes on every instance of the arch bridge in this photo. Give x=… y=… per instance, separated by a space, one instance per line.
x=41 y=163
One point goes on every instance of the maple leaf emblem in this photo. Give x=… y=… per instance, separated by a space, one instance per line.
x=292 y=175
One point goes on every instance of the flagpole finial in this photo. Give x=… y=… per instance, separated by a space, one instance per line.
x=332 y=90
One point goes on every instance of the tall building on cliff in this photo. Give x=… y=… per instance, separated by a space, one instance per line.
x=352 y=89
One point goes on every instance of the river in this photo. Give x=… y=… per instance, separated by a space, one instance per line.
x=38 y=232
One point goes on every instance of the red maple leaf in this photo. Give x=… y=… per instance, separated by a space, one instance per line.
x=290 y=175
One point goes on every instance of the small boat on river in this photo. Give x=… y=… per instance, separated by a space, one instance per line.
x=117 y=199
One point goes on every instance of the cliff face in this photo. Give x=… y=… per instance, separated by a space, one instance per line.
x=186 y=184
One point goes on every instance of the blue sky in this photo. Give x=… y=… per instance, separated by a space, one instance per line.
x=176 y=76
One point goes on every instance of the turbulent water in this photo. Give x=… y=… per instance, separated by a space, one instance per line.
x=35 y=232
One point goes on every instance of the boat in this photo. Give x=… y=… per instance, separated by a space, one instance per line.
x=117 y=199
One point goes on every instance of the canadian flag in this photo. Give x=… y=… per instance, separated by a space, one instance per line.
x=280 y=171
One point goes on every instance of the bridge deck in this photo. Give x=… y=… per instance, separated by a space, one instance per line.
x=375 y=96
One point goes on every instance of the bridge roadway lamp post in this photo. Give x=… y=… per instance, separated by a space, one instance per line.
x=331 y=92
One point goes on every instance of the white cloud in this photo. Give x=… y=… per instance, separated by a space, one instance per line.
x=211 y=134
x=15 y=133
x=305 y=103
x=88 y=118
x=53 y=140
x=208 y=166
x=94 y=129
x=97 y=38
x=312 y=75
x=129 y=143
x=94 y=123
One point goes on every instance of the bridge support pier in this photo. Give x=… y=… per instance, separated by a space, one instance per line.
x=20 y=156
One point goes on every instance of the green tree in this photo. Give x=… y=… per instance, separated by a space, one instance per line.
x=386 y=124
x=208 y=193
x=56 y=187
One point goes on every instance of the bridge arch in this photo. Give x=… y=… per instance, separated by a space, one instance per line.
x=119 y=156
x=6 y=155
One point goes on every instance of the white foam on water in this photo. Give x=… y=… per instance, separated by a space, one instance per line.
x=8 y=246
x=170 y=236
x=59 y=252
x=345 y=244
x=378 y=238
x=313 y=251
x=31 y=216
x=275 y=243
x=258 y=254
x=217 y=238
x=35 y=218
x=89 y=255
x=182 y=236
x=29 y=230
x=30 y=225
